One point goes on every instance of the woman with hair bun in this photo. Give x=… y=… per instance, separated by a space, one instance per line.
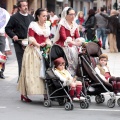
x=30 y=82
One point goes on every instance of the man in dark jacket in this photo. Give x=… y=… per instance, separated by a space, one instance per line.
x=17 y=28
x=101 y=27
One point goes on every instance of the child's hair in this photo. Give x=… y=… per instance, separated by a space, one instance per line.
x=103 y=56
x=80 y=12
x=59 y=61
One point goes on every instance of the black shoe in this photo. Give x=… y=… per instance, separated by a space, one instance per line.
x=104 y=47
x=2 y=76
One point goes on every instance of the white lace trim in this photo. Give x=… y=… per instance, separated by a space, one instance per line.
x=35 y=27
x=64 y=23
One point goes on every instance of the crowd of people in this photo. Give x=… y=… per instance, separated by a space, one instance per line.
x=31 y=31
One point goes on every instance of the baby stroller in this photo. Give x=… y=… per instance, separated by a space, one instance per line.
x=54 y=87
x=93 y=84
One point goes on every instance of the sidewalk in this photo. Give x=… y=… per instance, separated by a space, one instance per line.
x=11 y=67
x=113 y=62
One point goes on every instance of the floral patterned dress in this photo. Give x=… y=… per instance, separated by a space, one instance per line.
x=30 y=82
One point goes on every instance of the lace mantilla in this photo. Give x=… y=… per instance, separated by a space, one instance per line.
x=72 y=29
x=40 y=31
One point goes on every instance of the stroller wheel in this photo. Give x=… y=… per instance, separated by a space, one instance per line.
x=47 y=103
x=72 y=106
x=87 y=104
x=111 y=103
x=89 y=99
x=68 y=106
x=84 y=104
x=99 y=99
x=118 y=101
x=102 y=98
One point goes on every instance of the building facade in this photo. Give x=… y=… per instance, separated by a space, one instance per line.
x=77 y=5
x=58 y=5
x=34 y=4
x=108 y=4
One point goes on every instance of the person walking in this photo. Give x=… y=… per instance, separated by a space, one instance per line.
x=113 y=25
x=89 y=25
x=30 y=80
x=17 y=28
x=101 y=24
x=118 y=34
x=4 y=17
x=54 y=21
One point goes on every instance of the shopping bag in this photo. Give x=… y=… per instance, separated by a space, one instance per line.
x=96 y=40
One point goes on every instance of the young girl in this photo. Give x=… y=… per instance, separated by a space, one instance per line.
x=67 y=79
x=103 y=71
x=80 y=20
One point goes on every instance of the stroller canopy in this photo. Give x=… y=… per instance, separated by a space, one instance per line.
x=56 y=52
x=93 y=49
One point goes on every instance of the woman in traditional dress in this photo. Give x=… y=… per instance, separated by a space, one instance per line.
x=30 y=82
x=67 y=36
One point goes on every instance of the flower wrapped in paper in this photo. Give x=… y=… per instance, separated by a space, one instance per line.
x=3 y=58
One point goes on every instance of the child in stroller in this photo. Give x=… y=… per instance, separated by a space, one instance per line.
x=67 y=79
x=92 y=82
x=56 y=91
x=103 y=71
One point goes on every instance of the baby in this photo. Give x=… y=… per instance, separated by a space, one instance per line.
x=67 y=79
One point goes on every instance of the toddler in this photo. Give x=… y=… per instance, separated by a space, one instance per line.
x=103 y=71
x=67 y=79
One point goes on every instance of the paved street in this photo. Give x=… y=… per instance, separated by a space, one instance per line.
x=12 y=108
